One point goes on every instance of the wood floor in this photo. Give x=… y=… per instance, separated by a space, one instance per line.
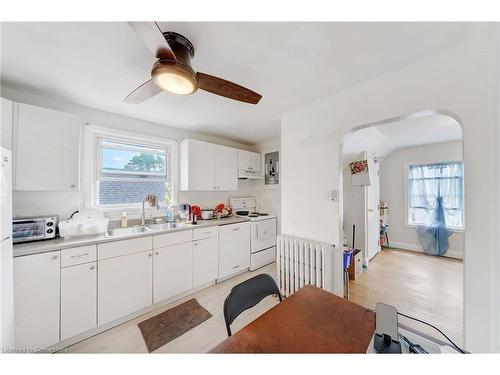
x=426 y=287
x=127 y=338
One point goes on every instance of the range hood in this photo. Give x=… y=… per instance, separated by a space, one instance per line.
x=249 y=175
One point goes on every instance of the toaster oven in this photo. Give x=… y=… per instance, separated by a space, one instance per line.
x=25 y=229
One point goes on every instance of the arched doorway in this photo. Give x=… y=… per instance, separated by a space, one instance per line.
x=394 y=268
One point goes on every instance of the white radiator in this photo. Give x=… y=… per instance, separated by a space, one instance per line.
x=300 y=261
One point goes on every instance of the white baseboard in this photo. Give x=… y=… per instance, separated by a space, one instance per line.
x=413 y=247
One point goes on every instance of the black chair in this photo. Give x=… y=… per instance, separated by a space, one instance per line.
x=246 y=295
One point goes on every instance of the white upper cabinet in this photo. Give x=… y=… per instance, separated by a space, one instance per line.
x=249 y=161
x=46 y=149
x=226 y=168
x=206 y=166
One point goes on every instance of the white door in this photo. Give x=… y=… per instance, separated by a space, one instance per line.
x=197 y=165
x=226 y=168
x=263 y=234
x=372 y=198
x=205 y=261
x=124 y=285
x=47 y=145
x=36 y=300
x=78 y=299
x=234 y=249
x=255 y=162
x=172 y=271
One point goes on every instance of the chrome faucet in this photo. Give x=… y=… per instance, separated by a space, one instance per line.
x=152 y=201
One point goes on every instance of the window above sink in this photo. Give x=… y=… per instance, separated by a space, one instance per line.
x=124 y=167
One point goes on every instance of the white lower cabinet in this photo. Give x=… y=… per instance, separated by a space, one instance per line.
x=61 y=294
x=36 y=300
x=172 y=271
x=205 y=261
x=78 y=299
x=234 y=249
x=124 y=285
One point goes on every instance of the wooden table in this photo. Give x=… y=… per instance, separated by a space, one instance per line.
x=309 y=321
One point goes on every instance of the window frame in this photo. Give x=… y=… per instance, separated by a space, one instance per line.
x=94 y=136
x=407 y=166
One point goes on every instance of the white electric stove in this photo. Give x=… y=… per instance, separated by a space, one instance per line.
x=262 y=233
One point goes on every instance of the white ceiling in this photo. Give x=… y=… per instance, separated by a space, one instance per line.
x=381 y=140
x=98 y=64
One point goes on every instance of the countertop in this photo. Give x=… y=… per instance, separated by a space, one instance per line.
x=59 y=243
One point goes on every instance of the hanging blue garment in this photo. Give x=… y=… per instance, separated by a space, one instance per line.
x=434 y=237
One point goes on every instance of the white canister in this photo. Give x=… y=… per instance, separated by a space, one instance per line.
x=207 y=214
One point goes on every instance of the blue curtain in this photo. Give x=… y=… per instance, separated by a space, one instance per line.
x=436 y=201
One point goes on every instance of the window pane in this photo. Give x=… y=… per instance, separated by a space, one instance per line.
x=129 y=160
x=428 y=181
x=118 y=192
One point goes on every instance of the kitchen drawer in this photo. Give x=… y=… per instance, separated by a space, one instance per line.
x=123 y=247
x=78 y=255
x=174 y=238
x=262 y=258
x=201 y=233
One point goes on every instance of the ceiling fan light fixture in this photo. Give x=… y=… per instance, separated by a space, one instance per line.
x=175 y=78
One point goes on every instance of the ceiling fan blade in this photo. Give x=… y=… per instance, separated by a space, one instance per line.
x=152 y=36
x=145 y=91
x=227 y=89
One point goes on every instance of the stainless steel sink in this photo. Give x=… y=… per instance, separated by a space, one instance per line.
x=128 y=231
x=165 y=226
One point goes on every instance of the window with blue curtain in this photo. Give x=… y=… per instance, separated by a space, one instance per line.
x=426 y=182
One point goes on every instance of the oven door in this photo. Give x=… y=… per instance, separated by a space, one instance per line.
x=28 y=230
x=263 y=234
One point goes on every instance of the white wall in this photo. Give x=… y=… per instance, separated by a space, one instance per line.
x=392 y=191
x=63 y=203
x=462 y=80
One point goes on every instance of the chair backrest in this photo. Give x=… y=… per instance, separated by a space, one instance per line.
x=246 y=295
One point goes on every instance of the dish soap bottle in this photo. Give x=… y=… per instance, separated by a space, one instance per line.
x=170 y=214
x=124 y=222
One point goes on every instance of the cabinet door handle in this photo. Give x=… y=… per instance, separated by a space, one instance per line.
x=79 y=256
x=235 y=229
x=156 y=253
x=54 y=257
x=92 y=267
x=150 y=255
x=236 y=267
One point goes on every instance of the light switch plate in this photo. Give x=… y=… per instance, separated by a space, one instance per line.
x=334 y=195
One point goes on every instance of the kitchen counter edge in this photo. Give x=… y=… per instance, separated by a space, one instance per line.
x=44 y=246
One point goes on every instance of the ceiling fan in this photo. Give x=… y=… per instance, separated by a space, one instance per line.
x=173 y=72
